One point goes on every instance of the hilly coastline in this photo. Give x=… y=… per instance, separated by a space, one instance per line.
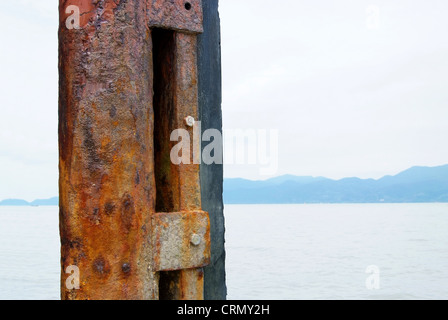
x=39 y=202
x=415 y=185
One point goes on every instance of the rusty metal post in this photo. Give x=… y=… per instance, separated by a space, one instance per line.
x=124 y=85
x=107 y=186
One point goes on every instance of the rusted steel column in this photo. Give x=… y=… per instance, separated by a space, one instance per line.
x=125 y=86
x=107 y=187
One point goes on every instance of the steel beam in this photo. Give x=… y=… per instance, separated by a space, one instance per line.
x=114 y=172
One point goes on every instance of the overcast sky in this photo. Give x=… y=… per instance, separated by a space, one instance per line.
x=348 y=97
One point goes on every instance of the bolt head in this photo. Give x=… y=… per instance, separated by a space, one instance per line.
x=126 y=268
x=190 y=121
x=195 y=240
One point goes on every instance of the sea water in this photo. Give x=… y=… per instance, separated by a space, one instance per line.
x=279 y=252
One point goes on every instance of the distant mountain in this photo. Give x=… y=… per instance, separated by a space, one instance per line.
x=39 y=202
x=46 y=202
x=14 y=202
x=418 y=184
x=239 y=183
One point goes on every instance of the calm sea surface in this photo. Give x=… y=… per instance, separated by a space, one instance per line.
x=275 y=252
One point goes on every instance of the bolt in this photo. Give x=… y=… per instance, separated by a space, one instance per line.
x=189 y=121
x=126 y=267
x=195 y=239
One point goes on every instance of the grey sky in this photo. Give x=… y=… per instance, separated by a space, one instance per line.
x=347 y=100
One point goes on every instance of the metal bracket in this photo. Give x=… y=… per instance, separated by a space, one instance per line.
x=181 y=240
x=179 y=15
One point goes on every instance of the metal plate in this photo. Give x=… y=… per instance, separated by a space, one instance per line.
x=181 y=240
x=180 y=15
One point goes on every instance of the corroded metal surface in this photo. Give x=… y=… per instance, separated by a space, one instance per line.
x=190 y=283
x=176 y=98
x=114 y=128
x=180 y=15
x=181 y=240
x=182 y=285
x=186 y=101
x=107 y=188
